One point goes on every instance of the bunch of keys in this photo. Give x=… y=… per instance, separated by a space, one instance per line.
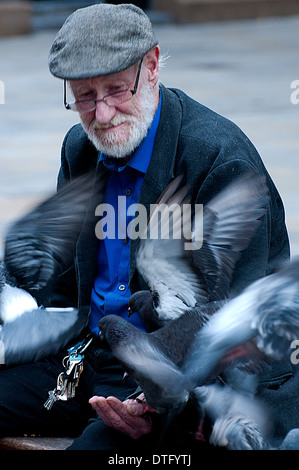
x=68 y=380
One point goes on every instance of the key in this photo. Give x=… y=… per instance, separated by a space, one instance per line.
x=51 y=400
x=72 y=374
x=61 y=387
x=68 y=380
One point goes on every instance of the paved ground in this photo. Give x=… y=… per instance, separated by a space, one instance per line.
x=242 y=70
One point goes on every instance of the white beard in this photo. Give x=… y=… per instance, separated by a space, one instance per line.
x=111 y=143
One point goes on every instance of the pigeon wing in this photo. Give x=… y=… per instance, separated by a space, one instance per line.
x=230 y=220
x=267 y=312
x=161 y=259
x=40 y=245
x=39 y=333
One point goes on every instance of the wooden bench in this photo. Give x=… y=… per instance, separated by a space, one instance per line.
x=35 y=443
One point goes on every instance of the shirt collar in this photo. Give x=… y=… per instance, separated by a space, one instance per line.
x=141 y=157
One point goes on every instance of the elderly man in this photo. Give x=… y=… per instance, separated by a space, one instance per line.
x=139 y=135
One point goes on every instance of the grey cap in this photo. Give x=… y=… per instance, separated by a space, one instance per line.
x=99 y=40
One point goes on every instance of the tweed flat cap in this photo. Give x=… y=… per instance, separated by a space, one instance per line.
x=99 y=40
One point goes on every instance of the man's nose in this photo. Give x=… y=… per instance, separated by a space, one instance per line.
x=104 y=113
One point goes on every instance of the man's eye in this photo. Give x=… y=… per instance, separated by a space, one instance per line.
x=86 y=96
x=115 y=88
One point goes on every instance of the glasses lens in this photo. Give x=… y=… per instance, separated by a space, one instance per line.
x=83 y=106
x=118 y=97
x=114 y=99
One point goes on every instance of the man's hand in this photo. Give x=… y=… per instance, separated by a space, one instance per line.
x=126 y=417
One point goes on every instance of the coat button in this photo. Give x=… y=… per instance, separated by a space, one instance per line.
x=128 y=192
x=122 y=287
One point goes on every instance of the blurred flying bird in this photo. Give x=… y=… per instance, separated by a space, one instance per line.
x=38 y=247
x=180 y=279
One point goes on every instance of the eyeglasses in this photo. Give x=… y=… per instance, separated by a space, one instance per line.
x=113 y=99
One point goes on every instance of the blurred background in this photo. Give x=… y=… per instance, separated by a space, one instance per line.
x=238 y=57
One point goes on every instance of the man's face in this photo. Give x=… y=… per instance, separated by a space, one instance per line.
x=116 y=130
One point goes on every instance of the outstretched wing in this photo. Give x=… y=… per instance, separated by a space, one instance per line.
x=182 y=279
x=39 y=333
x=40 y=245
x=230 y=220
x=267 y=312
x=161 y=259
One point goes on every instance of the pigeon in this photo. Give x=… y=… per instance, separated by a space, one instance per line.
x=38 y=247
x=179 y=279
x=153 y=359
x=264 y=316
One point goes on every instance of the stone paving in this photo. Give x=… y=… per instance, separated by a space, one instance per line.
x=241 y=69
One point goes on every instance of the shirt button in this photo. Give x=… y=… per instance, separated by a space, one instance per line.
x=122 y=287
x=128 y=192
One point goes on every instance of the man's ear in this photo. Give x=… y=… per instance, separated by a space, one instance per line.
x=151 y=62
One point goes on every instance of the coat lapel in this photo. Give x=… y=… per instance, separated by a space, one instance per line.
x=162 y=167
x=86 y=248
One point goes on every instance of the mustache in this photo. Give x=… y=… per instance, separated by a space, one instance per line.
x=115 y=121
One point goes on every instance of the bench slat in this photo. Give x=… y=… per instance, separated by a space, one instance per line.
x=35 y=443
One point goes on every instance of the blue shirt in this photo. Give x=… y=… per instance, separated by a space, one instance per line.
x=111 y=293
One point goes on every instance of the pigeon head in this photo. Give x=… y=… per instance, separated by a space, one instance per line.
x=140 y=301
x=145 y=303
x=113 y=329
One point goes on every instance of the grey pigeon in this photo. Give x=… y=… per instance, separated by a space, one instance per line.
x=153 y=359
x=180 y=279
x=38 y=247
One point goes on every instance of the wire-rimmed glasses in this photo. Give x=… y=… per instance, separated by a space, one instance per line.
x=113 y=99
